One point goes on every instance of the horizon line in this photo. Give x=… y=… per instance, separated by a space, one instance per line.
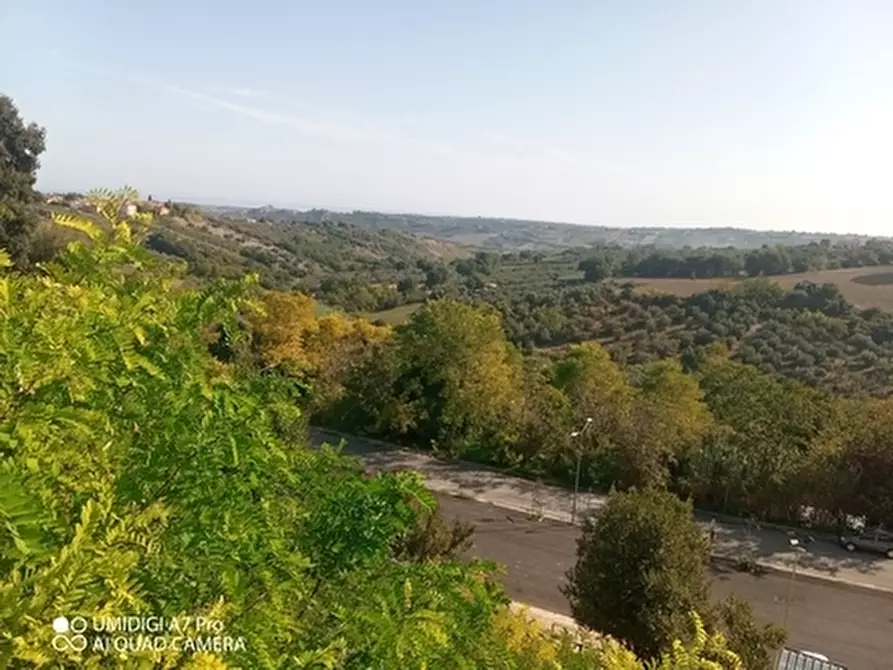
x=213 y=202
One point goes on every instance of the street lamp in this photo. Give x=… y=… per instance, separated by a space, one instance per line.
x=799 y=549
x=574 y=435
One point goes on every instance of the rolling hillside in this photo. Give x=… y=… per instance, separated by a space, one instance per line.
x=497 y=234
x=293 y=254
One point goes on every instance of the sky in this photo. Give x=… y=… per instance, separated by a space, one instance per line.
x=766 y=114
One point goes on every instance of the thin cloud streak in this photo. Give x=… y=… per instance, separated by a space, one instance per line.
x=247 y=93
x=345 y=133
x=324 y=129
x=511 y=156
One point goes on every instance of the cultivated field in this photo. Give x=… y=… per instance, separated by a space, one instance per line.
x=863 y=287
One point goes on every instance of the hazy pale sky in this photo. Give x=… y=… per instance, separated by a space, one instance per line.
x=755 y=113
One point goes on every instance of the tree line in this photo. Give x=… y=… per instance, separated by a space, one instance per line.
x=731 y=262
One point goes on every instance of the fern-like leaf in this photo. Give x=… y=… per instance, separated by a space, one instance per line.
x=79 y=223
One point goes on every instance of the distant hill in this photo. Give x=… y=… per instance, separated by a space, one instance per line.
x=339 y=261
x=518 y=235
x=293 y=254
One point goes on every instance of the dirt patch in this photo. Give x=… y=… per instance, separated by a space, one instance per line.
x=877 y=279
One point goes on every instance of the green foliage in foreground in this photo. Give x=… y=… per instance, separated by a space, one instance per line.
x=140 y=475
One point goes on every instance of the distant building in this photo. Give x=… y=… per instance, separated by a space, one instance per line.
x=83 y=204
x=130 y=210
x=157 y=207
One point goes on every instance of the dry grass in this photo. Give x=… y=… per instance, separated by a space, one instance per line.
x=863 y=287
x=395 y=316
x=445 y=251
x=471 y=239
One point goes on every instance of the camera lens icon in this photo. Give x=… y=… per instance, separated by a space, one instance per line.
x=62 y=641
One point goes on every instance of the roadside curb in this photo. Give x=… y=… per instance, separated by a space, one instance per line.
x=804 y=574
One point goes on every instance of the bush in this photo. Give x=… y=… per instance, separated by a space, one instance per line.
x=640 y=570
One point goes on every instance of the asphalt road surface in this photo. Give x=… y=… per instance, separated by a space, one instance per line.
x=851 y=626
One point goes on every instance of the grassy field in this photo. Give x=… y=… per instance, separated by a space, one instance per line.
x=863 y=287
x=394 y=316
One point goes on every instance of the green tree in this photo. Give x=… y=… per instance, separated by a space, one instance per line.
x=669 y=420
x=598 y=390
x=596 y=385
x=458 y=375
x=640 y=571
x=775 y=260
x=772 y=426
x=755 y=643
x=854 y=464
x=20 y=148
x=435 y=273
x=596 y=268
x=546 y=423
x=433 y=538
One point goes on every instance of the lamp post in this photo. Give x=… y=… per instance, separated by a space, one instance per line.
x=799 y=549
x=574 y=435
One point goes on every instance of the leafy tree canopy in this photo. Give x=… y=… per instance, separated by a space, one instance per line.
x=21 y=145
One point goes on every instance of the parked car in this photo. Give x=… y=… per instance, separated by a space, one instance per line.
x=877 y=540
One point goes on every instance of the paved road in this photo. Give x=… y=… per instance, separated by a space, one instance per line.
x=824 y=560
x=850 y=626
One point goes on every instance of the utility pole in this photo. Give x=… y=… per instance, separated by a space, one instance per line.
x=576 y=434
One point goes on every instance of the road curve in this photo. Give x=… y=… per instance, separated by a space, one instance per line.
x=849 y=625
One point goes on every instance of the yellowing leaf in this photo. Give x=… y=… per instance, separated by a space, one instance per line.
x=132 y=361
x=140 y=334
x=86 y=226
x=4 y=293
x=123 y=232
